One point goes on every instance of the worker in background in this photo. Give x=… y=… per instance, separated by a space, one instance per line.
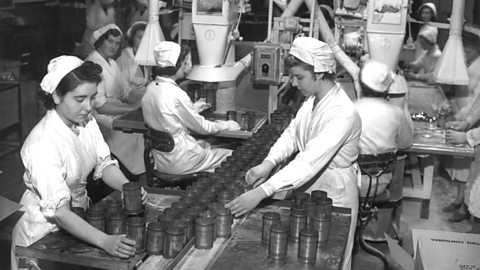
x=427 y=13
x=166 y=107
x=59 y=154
x=98 y=14
x=385 y=126
x=137 y=76
x=325 y=133
x=422 y=68
x=115 y=97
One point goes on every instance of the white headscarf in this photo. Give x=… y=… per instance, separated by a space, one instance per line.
x=377 y=76
x=431 y=6
x=57 y=69
x=102 y=30
x=166 y=53
x=314 y=52
x=430 y=33
x=134 y=25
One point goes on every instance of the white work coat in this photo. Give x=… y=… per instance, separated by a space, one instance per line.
x=132 y=72
x=326 y=137
x=418 y=48
x=426 y=63
x=57 y=163
x=127 y=147
x=166 y=107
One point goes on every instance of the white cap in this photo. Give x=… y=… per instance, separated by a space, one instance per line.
x=431 y=6
x=376 y=75
x=430 y=33
x=314 y=52
x=57 y=69
x=399 y=85
x=166 y=53
x=134 y=25
x=102 y=30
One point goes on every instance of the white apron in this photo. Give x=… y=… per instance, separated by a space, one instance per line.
x=57 y=163
x=127 y=147
x=166 y=107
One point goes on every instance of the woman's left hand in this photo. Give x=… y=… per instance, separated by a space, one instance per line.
x=246 y=202
x=144 y=195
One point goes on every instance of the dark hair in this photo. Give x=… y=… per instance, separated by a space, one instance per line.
x=170 y=71
x=88 y=72
x=134 y=31
x=369 y=92
x=291 y=61
x=102 y=38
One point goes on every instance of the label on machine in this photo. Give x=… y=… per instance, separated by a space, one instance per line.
x=266 y=68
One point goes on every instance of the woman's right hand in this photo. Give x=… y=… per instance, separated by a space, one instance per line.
x=119 y=246
x=258 y=174
x=457 y=125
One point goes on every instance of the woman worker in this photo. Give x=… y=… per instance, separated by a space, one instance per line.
x=427 y=13
x=59 y=154
x=325 y=132
x=137 y=76
x=424 y=65
x=115 y=98
x=166 y=107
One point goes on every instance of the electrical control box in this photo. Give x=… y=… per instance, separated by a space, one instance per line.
x=267 y=67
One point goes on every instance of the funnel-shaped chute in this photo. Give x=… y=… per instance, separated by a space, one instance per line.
x=153 y=34
x=451 y=67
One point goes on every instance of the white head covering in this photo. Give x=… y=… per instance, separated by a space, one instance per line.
x=430 y=33
x=431 y=6
x=102 y=30
x=314 y=52
x=134 y=25
x=399 y=85
x=57 y=69
x=166 y=53
x=376 y=75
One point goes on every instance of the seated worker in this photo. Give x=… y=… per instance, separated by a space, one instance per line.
x=115 y=97
x=427 y=13
x=59 y=154
x=423 y=66
x=137 y=76
x=167 y=107
x=385 y=126
x=325 y=133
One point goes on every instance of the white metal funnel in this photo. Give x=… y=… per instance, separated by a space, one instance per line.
x=451 y=67
x=153 y=35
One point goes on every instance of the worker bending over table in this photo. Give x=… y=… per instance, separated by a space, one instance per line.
x=325 y=132
x=59 y=154
x=167 y=107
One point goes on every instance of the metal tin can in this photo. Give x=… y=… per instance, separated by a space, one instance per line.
x=155 y=238
x=277 y=250
x=231 y=115
x=117 y=223
x=96 y=219
x=312 y=206
x=79 y=211
x=165 y=219
x=298 y=221
x=180 y=206
x=204 y=233
x=269 y=219
x=132 y=198
x=136 y=231
x=323 y=228
x=184 y=226
x=173 y=242
x=190 y=221
x=307 y=248
x=211 y=98
x=224 y=197
x=324 y=209
x=224 y=223
x=213 y=216
x=244 y=121
x=318 y=195
x=298 y=198
x=251 y=120
x=98 y=208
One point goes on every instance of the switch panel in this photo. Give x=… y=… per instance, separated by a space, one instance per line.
x=267 y=65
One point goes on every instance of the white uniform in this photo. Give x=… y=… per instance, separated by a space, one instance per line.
x=57 y=163
x=426 y=63
x=128 y=148
x=385 y=128
x=136 y=78
x=326 y=137
x=166 y=107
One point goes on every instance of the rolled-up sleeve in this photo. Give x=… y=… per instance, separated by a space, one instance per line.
x=45 y=175
x=318 y=152
x=473 y=137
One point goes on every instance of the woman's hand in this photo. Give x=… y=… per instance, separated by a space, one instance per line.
x=144 y=195
x=119 y=246
x=246 y=202
x=455 y=137
x=258 y=174
x=458 y=125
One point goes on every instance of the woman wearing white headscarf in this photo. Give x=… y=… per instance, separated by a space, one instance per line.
x=59 y=154
x=427 y=13
x=166 y=107
x=325 y=133
x=116 y=97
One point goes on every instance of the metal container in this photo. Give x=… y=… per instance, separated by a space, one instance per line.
x=175 y=212
x=231 y=115
x=204 y=233
x=117 y=223
x=318 y=195
x=213 y=216
x=312 y=206
x=136 y=231
x=79 y=211
x=132 y=198
x=184 y=226
x=224 y=223
x=112 y=206
x=323 y=228
x=298 y=198
x=165 y=219
x=224 y=197
x=190 y=221
x=244 y=120
x=211 y=99
x=324 y=209
x=96 y=219
x=298 y=221
x=307 y=248
x=269 y=219
x=155 y=238
x=173 y=242
x=98 y=208
x=277 y=250
x=251 y=120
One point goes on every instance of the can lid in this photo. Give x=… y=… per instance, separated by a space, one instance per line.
x=175 y=230
x=308 y=231
x=136 y=221
x=180 y=223
x=208 y=214
x=326 y=201
x=131 y=186
x=118 y=215
x=317 y=194
x=279 y=228
x=298 y=210
x=157 y=226
x=271 y=215
x=203 y=221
